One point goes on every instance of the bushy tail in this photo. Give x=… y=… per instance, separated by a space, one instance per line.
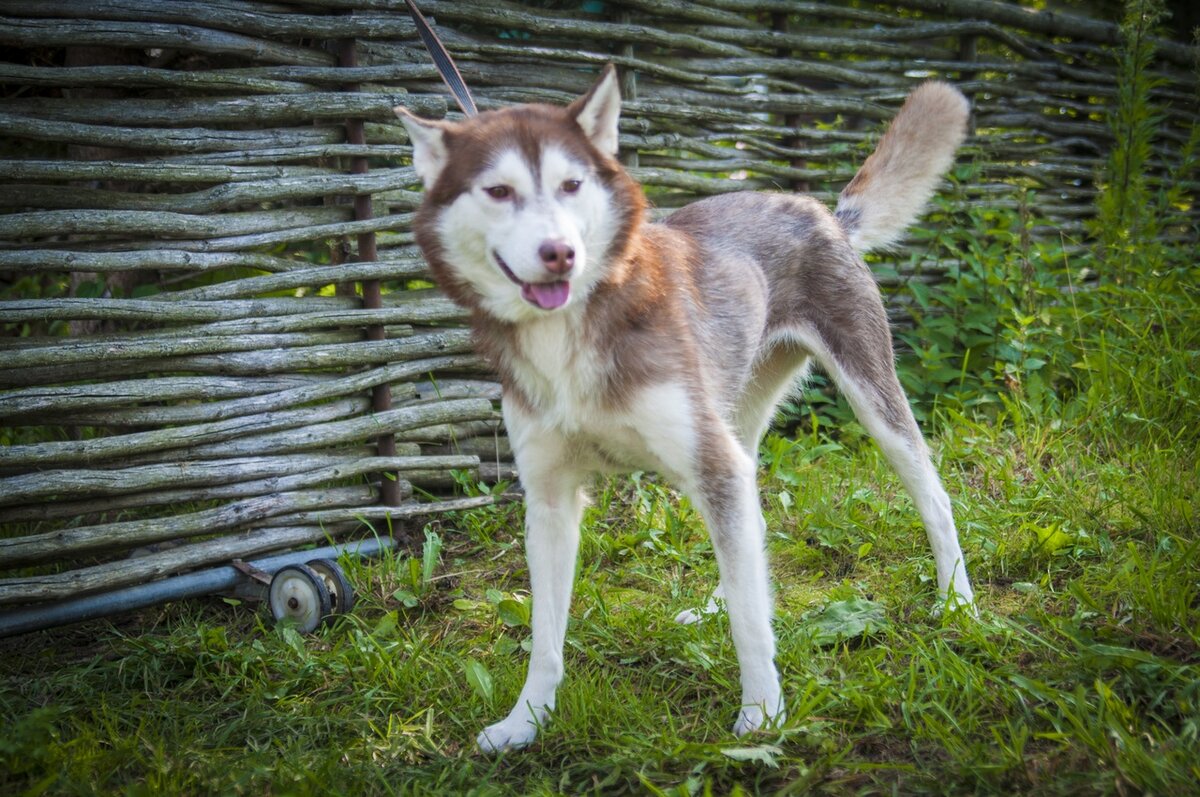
x=893 y=185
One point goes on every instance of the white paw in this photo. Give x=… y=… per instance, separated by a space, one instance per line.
x=508 y=734
x=752 y=718
x=716 y=603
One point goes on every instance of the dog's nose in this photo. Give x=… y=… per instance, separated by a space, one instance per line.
x=557 y=256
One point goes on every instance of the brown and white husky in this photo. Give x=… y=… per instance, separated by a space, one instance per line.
x=624 y=344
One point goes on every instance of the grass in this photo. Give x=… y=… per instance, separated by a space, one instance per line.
x=1081 y=676
x=1069 y=449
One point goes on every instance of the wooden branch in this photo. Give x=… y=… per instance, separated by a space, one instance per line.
x=217 y=80
x=19 y=551
x=243 y=17
x=817 y=10
x=14 y=226
x=156 y=260
x=24 y=32
x=286 y=154
x=316 y=435
x=385 y=513
x=317 y=275
x=280 y=474
x=15 y=170
x=111 y=308
x=210 y=200
x=170 y=139
x=151 y=346
x=846 y=45
x=254 y=477
x=141 y=418
x=457 y=388
x=76 y=483
x=286 y=234
x=271 y=109
x=96 y=508
x=73 y=583
x=254 y=404
x=488 y=448
x=439 y=434
x=295 y=472
x=1054 y=23
x=82 y=452
x=159 y=388
x=507 y=17
x=254 y=363
x=167 y=311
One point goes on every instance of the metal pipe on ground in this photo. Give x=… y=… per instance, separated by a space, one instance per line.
x=190 y=585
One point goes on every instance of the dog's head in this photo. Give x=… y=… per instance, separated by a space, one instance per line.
x=525 y=208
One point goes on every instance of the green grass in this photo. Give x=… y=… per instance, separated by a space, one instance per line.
x=1081 y=676
x=1071 y=457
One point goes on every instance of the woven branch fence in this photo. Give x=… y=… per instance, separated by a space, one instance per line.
x=219 y=338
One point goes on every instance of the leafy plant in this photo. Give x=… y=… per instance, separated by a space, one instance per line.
x=417 y=574
x=996 y=323
x=1127 y=219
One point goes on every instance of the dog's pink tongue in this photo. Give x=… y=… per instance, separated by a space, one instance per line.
x=546 y=295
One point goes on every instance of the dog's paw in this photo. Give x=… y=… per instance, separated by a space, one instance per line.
x=508 y=734
x=752 y=718
x=715 y=604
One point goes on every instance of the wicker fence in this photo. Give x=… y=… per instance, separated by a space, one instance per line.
x=218 y=332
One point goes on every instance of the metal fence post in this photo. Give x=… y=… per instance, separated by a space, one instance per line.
x=372 y=297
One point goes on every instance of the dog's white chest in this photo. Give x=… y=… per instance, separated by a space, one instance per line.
x=559 y=373
x=565 y=381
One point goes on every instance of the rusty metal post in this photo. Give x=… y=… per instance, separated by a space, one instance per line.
x=372 y=297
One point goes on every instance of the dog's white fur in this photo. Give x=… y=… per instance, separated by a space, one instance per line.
x=674 y=342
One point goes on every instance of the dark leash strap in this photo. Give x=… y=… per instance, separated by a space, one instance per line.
x=443 y=62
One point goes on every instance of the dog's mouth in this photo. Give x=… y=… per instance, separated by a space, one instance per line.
x=543 y=295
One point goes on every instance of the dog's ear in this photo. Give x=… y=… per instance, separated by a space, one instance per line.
x=428 y=142
x=599 y=111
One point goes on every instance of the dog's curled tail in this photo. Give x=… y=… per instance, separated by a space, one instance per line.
x=893 y=185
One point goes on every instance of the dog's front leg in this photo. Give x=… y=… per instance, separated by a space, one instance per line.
x=553 y=510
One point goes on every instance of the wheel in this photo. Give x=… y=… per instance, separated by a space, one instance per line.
x=300 y=595
x=336 y=582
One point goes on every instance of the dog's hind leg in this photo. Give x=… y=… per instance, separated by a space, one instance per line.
x=698 y=450
x=857 y=353
x=773 y=377
x=726 y=492
x=554 y=502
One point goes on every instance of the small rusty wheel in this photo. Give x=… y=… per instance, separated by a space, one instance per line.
x=297 y=594
x=340 y=591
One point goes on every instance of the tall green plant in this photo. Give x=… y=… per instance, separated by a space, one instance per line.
x=995 y=325
x=1127 y=221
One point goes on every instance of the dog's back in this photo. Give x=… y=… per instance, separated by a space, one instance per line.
x=797 y=243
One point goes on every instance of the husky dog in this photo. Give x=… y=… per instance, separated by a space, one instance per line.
x=623 y=344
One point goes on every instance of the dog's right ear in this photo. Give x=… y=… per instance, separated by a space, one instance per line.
x=428 y=142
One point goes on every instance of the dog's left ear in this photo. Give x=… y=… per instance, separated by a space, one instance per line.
x=599 y=111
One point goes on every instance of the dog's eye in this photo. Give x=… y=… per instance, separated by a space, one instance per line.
x=571 y=186
x=500 y=192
